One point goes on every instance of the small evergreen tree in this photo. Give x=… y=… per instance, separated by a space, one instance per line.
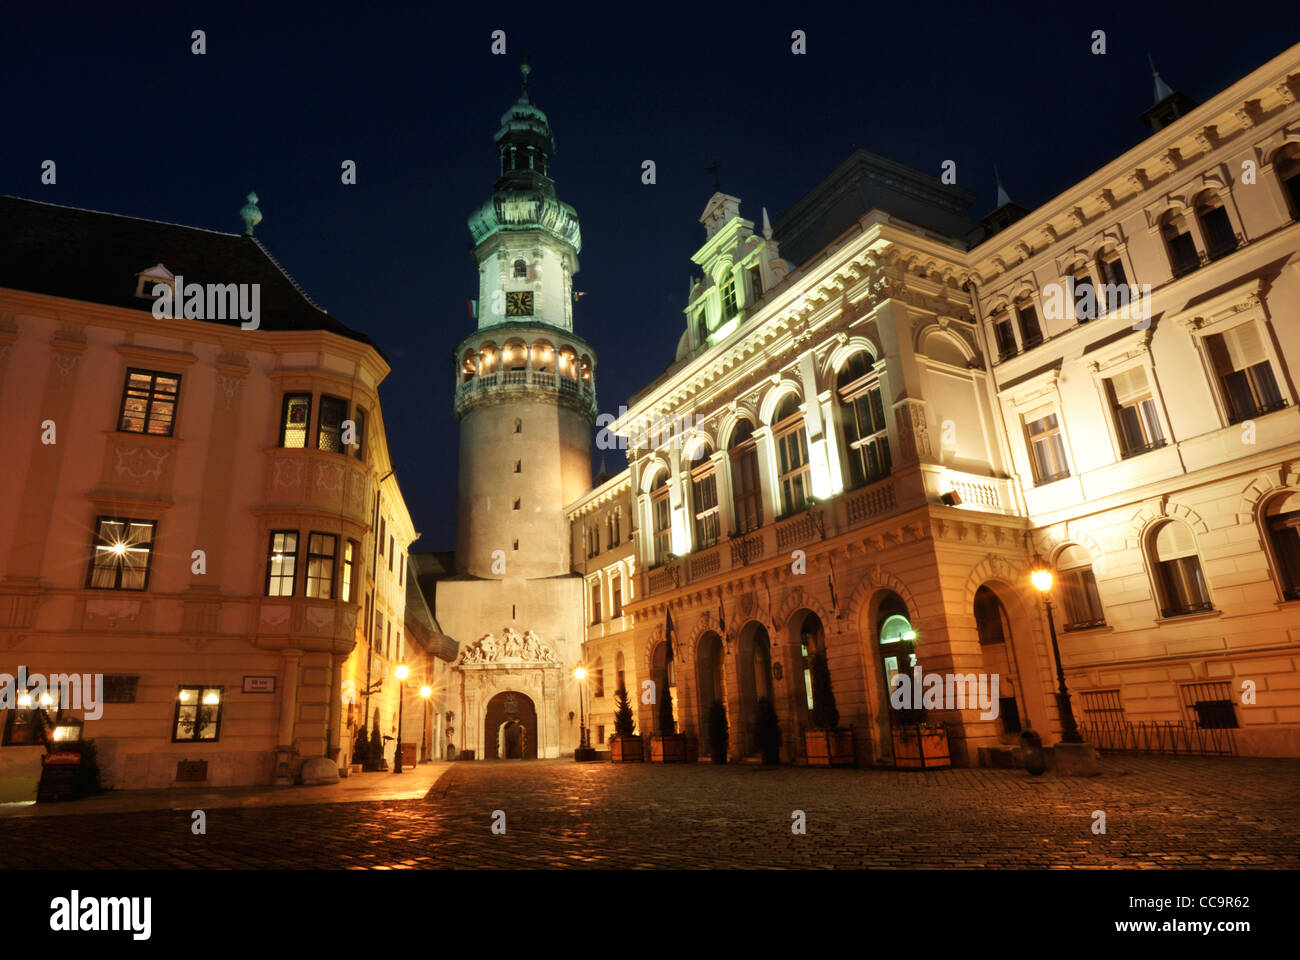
x=624 y=722
x=825 y=715
x=666 y=723
x=768 y=733
x=360 y=747
x=718 y=733
x=376 y=750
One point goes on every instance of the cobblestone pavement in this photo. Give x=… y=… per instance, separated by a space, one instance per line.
x=1160 y=812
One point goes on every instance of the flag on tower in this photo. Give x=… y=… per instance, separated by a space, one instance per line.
x=578 y=295
x=473 y=309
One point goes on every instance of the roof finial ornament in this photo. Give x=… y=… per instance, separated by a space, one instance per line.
x=525 y=70
x=717 y=184
x=1162 y=89
x=250 y=215
x=1003 y=197
x=767 y=225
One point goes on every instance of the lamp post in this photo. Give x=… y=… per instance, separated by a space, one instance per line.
x=580 y=674
x=1041 y=576
x=426 y=692
x=402 y=672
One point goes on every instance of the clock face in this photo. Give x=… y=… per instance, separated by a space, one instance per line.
x=519 y=303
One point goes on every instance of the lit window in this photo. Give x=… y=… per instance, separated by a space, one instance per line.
x=320 y=565
x=746 y=495
x=349 y=568
x=282 y=563
x=1245 y=376
x=866 y=437
x=1078 y=588
x=595 y=602
x=295 y=420
x=1046 y=446
x=792 y=454
x=1179 y=578
x=1134 y=411
x=329 y=434
x=149 y=402
x=704 y=495
x=198 y=713
x=123 y=549
x=661 y=513
x=359 y=418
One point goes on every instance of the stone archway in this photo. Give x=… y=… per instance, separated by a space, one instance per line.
x=510 y=727
x=754 y=673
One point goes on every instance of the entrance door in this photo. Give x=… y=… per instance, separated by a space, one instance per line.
x=510 y=727
x=898 y=656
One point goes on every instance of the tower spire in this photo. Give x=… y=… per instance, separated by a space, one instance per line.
x=1162 y=89
x=1003 y=197
x=524 y=71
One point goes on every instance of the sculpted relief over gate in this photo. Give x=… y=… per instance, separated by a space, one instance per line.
x=510 y=647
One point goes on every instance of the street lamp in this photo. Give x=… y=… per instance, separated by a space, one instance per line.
x=1041 y=577
x=580 y=674
x=426 y=692
x=402 y=672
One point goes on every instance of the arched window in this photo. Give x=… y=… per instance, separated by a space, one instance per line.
x=468 y=366
x=543 y=357
x=584 y=366
x=1282 y=518
x=598 y=678
x=487 y=358
x=1085 y=295
x=1220 y=239
x=521 y=270
x=1286 y=164
x=1183 y=258
x=1003 y=334
x=1031 y=333
x=1179 y=579
x=1114 y=292
x=866 y=438
x=568 y=363
x=746 y=495
x=1079 y=589
x=704 y=499
x=990 y=617
x=514 y=355
x=661 y=518
x=791 y=454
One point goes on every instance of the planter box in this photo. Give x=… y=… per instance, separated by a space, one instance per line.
x=357 y=768
x=626 y=750
x=916 y=748
x=692 y=749
x=830 y=748
x=668 y=748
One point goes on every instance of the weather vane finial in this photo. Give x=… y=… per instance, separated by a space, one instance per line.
x=525 y=70
x=717 y=184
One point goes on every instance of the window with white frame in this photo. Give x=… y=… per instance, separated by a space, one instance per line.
x=1133 y=409
x=1078 y=587
x=704 y=499
x=1046 y=445
x=1244 y=374
x=866 y=437
x=746 y=494
x=1179 y=578
x=661 y=518
x=792 y=454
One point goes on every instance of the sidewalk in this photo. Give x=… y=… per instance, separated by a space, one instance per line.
x=412 y=784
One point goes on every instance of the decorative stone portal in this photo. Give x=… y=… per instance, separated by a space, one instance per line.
x=510 y=728
x=514 y=665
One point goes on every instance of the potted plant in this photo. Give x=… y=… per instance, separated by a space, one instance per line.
x=667 y=746
x=360 y=750
x=767 y=732
x=626 y=746
x=827 y=744
x=376 y=751
x=718 y=733
x=921 y=745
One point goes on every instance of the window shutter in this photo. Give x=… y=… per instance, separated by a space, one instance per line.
x=1073 y=557
x=1245 y=346
x=1174 y=540
x=1129 y=385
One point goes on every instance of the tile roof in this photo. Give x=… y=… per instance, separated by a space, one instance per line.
x=92 y=256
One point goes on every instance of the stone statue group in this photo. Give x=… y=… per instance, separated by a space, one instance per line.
x=526 y=647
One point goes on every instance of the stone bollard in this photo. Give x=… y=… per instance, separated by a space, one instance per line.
x=1031 y=746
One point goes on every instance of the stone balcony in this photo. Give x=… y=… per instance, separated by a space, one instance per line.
x=307 y=623
x=316 y=479
x=513 y=385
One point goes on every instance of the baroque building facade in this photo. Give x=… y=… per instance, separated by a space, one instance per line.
x=882 y=416
x=204 y=510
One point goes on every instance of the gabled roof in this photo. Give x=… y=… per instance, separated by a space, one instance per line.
x=97 y=257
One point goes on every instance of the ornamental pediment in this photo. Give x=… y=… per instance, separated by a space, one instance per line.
x=510 y=647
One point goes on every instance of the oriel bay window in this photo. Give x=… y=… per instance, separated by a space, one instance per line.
x=1046 y=446
x=149 y=402
x=350 y=551
x=1244 y=373
x=865 y=435
x=746 y=496
x=1134 y=410
x=282 y=563
x=329 y=432
x=321 y=549
x=792 y=454
x=704 y=497
x=661 y=518
x=1078 y=588
x=1179 y=578
x=295 y=420
x=198 y=714
x=123 y=550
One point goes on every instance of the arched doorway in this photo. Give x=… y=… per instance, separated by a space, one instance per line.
x=809 y=638
x=663 y=674
x=896 y=654
x=710 y=679
x=755 y=669
x=999 y=655
x=510 y=727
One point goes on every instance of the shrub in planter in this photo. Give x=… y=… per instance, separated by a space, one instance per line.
x=626 y=745
x=718 y=734
x=768 y=733
x=376 y=751
x=827 y=743
x=360 y=747
x=667 y=725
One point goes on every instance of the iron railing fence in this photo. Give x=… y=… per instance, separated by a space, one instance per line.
x=1160 y=736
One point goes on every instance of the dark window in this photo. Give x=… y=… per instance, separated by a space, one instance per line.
x=616 y=608
x=122 y=554
x=1245 y=375
x=595 y=602
x=728 y=299
x=521 y=270
x=1115 y=292
x=383 y=534
x=745 y=491
x=1219 y=237
x=990 y=617
x=120 y=688
x=704 y=493
x=390 y=554
x=866 y=436
x=198 y=714
x=1283 y=519
x=661 y=515
x=1046 y=447
x=282 y=563
x=321 y=549
x=1005 y=337
x=295 y=420
x=755 y=284
x=329 y=436
x=1085 y=298
x=1182 y=584
x=1134 y=410
x=1031 y=334
x=1078 y=587
x=1183 y=257
x=149 y=402
x=1286 y=164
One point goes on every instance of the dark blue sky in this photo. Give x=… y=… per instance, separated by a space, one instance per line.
x=140 y=126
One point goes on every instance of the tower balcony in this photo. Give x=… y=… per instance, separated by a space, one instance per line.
x=511 y=386
x=525 y=362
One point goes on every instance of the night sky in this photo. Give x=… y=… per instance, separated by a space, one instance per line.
x=140 y=126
